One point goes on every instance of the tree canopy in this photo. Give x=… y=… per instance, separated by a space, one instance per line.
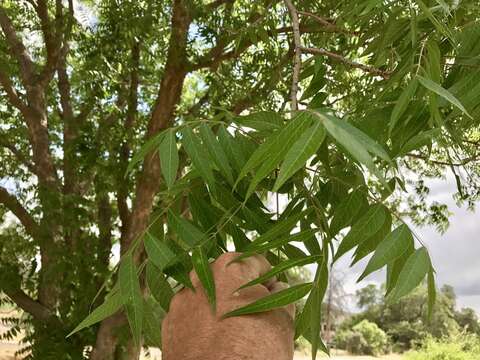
x=171 y=131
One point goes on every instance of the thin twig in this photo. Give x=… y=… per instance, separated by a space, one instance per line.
x=461 y=162
x=367 y=68
x=324 y=22
x=297 y=62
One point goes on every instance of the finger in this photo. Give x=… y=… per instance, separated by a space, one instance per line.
x=279 y=286
x=257 y=265
x=233 y=273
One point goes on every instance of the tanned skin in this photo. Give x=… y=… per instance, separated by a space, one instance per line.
x=193 y=331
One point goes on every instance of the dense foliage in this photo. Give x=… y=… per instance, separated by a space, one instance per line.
x=456 y=347
x=406 y=322
x=171 y=131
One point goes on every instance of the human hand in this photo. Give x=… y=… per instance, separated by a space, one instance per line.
x=191 y=330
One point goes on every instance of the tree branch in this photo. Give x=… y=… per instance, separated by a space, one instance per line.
x=132 y=105
x=327 y=24
x=367 y=68
x=17 y=48
x=162 y=116
x=12 y=204
x=462 y=162
x=12 y=94
x=297 y=61
x=261 y=89
x=18 y=154
x=34 y=308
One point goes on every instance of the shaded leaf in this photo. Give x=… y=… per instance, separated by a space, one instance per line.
x=432 y=293
x=158 y=251
x=366 y=226
x=318 y=292
x=113 y=303
x=169 y=158
x=216 y=151
x=188 y=233
x=300 y=152
x=205 y=275
x=159 y=286
x=198 y=155
x=153 y=315
x=283 y=266
x=444 y=93
x=132 y=296
x=402 y=103
x=392 y=247
x=412 y=274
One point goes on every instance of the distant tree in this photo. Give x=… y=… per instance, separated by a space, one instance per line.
x=406 y=322
x=467 y=319
x=368 y=296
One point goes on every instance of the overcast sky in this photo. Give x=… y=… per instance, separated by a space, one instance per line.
x=455 y=254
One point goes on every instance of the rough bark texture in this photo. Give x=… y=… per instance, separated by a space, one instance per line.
x=149 y=179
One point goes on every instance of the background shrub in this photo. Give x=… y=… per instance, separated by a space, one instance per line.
x=365 y=338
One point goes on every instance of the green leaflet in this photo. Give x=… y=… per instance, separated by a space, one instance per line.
x=402 y=104
x=293 y=252
x=216 y=151
x=153 y=315
x=438 y=25
x=273 y=301
x=394 y=268
x=318 y=292
x=262 y=121
x=347 y=210
x=432 y=293
x=158 y=251
x=113 y=302
x=159 y=286
x=198 y=155
x=419 y=140
x=366 y=226
x=132 y=296
x=188 y=233
x=273 y=150
x=412 y=274
x=392 y=247
x=253 y=249
x=169 y=158
x=347 y=132
x=370 y=245
x=281 y=228
x=300 y=152
x=150 y=145
x=283 y=266
x=444 y=93
x=205 y=275
x=354 y=141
